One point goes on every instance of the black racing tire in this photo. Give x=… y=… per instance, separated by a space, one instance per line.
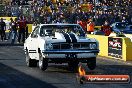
x=91 y=63
x=30 y=62
x=43 y=62
x=73 y=66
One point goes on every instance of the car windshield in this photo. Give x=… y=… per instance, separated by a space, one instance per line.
x=121 y=26
x=51 y=29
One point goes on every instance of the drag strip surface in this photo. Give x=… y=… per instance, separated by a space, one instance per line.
x=15 y=74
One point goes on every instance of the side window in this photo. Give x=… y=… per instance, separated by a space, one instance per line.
x=42 y=32
x=46 y=31
x=35 y=32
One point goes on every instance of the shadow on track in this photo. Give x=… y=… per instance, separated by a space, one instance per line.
x=116 y=69
x=9 y=44
x=11 y=78
x=60 y=68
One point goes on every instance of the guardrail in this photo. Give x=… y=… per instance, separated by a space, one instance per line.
x=29 y=28
x=97 y=27
x=114 y=47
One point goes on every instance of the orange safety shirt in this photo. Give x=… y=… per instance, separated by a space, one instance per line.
x=90 y=27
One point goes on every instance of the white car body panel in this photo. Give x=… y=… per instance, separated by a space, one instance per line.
x=34 y=44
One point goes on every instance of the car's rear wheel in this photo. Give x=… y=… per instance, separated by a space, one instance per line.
x=73 y=66
x=91 y=63
x=43 y=62
x=30 y=62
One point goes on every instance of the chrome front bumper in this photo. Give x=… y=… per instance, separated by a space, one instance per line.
x=69 y=51
x=66 y=55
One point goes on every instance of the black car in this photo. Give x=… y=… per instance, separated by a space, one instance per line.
x=123 y=27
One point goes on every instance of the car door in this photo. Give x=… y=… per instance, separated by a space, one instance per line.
x=33 y=47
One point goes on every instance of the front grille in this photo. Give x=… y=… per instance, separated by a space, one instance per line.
x=76 y=45
x=84 y=45
x=71 y=46
x=65 y=46
x=56 y=46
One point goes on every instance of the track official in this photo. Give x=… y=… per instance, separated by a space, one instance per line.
x=106 y=28
x=2 y=29
x=22 y=28
x=90 y=26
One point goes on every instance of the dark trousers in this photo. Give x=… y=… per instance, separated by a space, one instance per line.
x=26 y=32
x=14 y=34
x=3 y=35
x=21 y=34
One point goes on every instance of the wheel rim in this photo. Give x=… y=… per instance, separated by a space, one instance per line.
x=27 y=61
x=40 y=61
x=27 y=58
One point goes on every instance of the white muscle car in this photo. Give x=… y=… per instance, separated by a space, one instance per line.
x=60 y=43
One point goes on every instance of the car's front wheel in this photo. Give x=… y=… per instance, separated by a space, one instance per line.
x=91 y=63
x=43 y=62
x=30 y=62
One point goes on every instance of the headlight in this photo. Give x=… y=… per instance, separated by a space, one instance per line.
x=49 y=46
x=93 y=46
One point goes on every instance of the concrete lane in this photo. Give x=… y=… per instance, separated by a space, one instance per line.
x=15 y=74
